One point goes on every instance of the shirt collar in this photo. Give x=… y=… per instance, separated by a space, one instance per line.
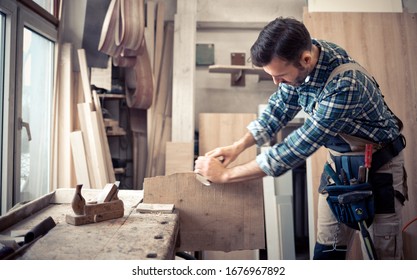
x=318 y=76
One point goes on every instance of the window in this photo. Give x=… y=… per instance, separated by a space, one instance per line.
x=48 y=5
x=35 y=119
x=27 y=65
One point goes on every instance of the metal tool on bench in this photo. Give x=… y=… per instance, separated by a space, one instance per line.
x=107 y=206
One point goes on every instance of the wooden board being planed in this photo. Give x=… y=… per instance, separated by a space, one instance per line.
x=223 y=217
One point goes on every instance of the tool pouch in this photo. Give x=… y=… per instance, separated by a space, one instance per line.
x=351 y=203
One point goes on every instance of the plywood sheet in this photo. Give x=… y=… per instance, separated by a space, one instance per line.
x=364 y=36
x=223 y=129
x=179 y=157
x=222 y=217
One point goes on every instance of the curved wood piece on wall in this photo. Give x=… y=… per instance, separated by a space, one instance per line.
x=124 y=61
x=127 y=58
x=131 y=24
x=107 y=43
x=141 y=97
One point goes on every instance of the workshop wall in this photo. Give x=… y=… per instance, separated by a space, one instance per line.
x=233 y=28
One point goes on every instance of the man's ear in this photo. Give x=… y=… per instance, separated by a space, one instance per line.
x=306 y=58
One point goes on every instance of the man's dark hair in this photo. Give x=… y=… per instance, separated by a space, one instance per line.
x=285 y=38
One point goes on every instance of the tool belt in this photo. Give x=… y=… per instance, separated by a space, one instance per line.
x=351 y=200
x=351 y=203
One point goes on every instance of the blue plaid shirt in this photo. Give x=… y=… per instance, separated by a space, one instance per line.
x=350 y=104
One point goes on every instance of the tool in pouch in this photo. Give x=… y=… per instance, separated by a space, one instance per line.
x=203 y=180
x=350 y=196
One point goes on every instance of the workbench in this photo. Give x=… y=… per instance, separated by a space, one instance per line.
x=135 y=236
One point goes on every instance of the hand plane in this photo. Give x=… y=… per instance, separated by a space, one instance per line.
x=107 y=206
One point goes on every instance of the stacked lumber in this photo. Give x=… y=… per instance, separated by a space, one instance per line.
x=145 y=59
x=90 y=146
x=160 y=114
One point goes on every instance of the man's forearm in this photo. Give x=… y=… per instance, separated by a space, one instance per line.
x=247 y=171
x=245 y=142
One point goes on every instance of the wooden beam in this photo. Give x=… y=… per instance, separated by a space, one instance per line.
x=103 y=138
x=80 y=159
x=65 y=120
x=184 y=72
x=85 y=80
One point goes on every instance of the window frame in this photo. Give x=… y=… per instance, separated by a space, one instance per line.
x=9 y=8
x=18 y=17
x=52 y=18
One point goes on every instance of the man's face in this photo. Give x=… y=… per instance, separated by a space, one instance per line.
x=286 y=72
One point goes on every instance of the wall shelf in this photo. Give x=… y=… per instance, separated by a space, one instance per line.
x=112 y=95
x=240 y=69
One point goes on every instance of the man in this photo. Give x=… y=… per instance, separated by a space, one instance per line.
x=346 y=111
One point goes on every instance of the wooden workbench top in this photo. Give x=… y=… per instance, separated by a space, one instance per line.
x=135 y=236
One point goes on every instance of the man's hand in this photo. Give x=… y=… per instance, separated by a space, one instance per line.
x=216 y=172
x=226 y=155
x=214 y=164
x=211 y=168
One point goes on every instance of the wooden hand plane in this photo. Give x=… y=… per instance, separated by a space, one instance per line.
x=107 y=206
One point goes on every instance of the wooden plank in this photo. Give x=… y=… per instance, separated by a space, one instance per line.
x=103 y=138
x=138 y=125
x=161 y=115
x=159 y=39
x=184 y=72
x=95 y=165
x=363 y=35
x=18 y=213
x=158 y=52
x=85 y=80
x=98 y=145
x=155 y=208
x=179 y=157
x=65 y=167
x=223 y=217
x=80 y=160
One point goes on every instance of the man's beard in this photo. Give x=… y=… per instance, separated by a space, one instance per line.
x=301 y=77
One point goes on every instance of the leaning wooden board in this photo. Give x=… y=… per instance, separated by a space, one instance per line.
x=222 y=217
x=134 y=236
